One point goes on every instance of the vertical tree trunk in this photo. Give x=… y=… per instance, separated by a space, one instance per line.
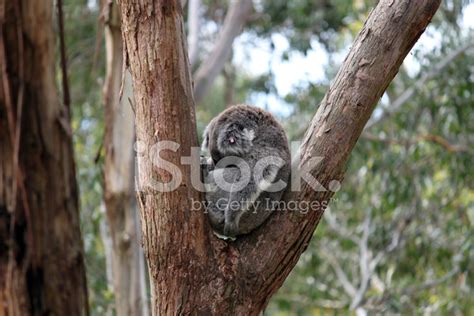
x=192 y=272
x=41 y=256
x=128 y=266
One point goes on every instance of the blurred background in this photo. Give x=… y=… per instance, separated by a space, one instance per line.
x=398 y=236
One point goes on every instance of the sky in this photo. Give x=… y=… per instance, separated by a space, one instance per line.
x=300 y=69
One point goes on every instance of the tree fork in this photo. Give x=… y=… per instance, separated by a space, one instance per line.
x=192 y=272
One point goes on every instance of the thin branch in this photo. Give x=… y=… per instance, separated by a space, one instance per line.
x=452 y=148
x=402 y=224
x=367 y=264
x=235 y=19
x=432 y=283
x=410 y=92
x=428 y=284
x=324 y=303
x=364 y=262
x=341 y=275
x=377 y=283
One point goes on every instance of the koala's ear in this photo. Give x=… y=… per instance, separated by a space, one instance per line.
x=205 y=136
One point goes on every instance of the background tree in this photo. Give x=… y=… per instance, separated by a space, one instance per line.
x=40 y=241
x=127 y=260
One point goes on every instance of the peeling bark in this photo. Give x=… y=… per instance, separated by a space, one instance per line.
x=41 y=254
x=192 y=272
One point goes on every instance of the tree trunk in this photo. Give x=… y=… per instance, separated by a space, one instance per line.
x=128 y=266
x=41 y=253
x=193 y=272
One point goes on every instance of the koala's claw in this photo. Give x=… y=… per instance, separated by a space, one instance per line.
x=223 y=237
x=230 y=230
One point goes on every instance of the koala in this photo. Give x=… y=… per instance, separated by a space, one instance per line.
x=247 y=171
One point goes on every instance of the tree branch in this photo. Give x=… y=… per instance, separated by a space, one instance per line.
x=364 y=263
x=340 y=274
x=234 y=21
x=324 y=303
x=452 y=148
x=432 y=283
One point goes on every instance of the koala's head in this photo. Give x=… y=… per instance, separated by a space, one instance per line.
x=228 y=136
x=233 y=139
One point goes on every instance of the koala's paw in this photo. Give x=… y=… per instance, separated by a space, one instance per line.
x=206 y=163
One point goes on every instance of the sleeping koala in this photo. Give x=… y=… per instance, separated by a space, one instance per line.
x=248 y=169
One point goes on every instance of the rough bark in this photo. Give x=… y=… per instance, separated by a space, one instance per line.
x=128 y=267
x=192 y=272
x=41 y=255
x=235 y=19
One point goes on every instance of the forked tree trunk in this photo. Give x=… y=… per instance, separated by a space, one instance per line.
x=41 y=255
x=128 y=266
x=193 y=272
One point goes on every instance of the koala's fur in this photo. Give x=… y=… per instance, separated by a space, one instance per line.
x=251 y=134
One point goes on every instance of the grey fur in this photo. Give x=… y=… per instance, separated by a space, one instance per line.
x=251 y=134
